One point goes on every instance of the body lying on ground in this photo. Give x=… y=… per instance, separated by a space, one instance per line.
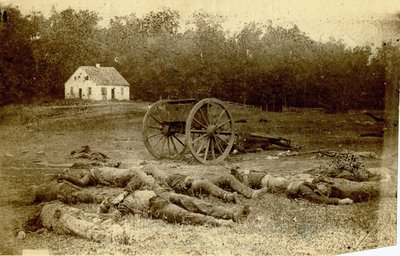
x=86 y=158
x=185 y=184
x=335 y=184
x=144 y=195
x=106 y=176
x=62 y=191
x=253 y=142
x=215 y=186
x=150 y=196
x=68 y=188
x=67 y=220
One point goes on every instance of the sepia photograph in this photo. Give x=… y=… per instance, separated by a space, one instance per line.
x=199 y=127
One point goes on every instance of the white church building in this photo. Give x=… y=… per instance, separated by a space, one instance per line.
x=97 y=83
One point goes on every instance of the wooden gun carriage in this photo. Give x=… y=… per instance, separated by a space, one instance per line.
x=205 y=127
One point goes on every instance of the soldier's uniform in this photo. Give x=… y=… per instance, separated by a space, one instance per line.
x=180 y=183
x=107 y=176
x=143 y=195
x=67 y=220
x=316 y=188
x=214 y=186
x=153 y=197
x=62 y=191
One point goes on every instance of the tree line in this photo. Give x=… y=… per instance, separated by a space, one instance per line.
x=262 y=64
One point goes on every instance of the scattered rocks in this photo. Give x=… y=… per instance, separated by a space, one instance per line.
x=21 y=235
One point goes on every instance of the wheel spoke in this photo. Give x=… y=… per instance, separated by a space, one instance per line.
x=155 y=119
x=198 y=131
x=163 y=144
x=197 y=121
x=220 y=115
x=219 y=147
x=199 y=138
x=206 y=153
x=158 y=142
x=153 y=135
x=212 y=148
x=200 y=148
x=205 y=119
x=173 y=144
x=178 y=140
x=222 y=124
x=154 y=127
x=169 y=148
x=222 y=140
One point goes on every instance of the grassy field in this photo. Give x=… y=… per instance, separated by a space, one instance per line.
x=35 y=135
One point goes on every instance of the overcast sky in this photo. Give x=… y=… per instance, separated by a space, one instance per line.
x=356 y=22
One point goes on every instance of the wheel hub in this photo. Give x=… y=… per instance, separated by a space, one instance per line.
x=211 y=130
x=165 y=130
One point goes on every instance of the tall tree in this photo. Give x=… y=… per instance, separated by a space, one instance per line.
x=68 y=40
x=17 y=64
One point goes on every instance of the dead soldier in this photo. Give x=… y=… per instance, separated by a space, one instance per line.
x=344 y=181
x=62 y=191
x=144 y=195
x=64 y=219
x=150 y=196
x=86 y=158
x=214 y=186
x=107 y=176
x=180 y=183
x=253 y=142
x=67 y=188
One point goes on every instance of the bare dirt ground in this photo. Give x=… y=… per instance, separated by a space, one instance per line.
x=35 y=139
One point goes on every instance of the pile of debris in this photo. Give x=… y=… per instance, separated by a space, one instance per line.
x=87 y=158
x=346 y=166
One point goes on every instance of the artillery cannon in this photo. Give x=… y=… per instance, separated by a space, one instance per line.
x=205 y=127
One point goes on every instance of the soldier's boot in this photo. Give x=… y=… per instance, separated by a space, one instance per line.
x=240 y=215
x=257 y=194
x=105 y=205
x=220 y=223
x=119 y=198
x=231 y=197
x=59 y=177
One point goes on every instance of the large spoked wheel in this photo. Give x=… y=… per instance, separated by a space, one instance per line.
x=210 y=131
x=162 y=138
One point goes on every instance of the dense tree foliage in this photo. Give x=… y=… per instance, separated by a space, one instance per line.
x=262 y=64
x=17 y=62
